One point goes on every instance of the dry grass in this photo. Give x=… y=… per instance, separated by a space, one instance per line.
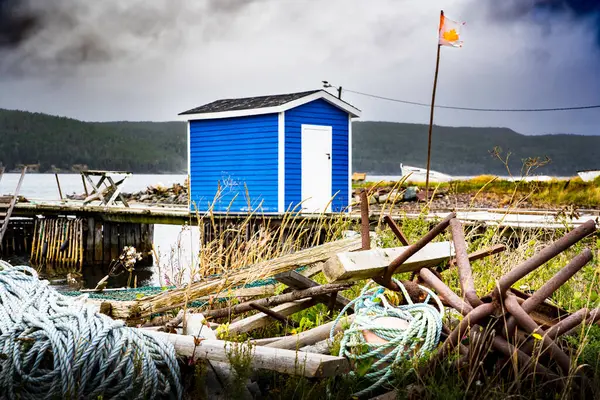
x=233 y=248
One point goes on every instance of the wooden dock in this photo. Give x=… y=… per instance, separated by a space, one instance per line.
x=180 y=215
x=102 y=231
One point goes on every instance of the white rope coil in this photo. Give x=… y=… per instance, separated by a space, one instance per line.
x=421 y=336
x=53 y=346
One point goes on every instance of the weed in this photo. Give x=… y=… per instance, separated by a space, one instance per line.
x=240 y=359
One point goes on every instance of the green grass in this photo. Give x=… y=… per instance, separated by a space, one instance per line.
x=444 y=380
x=554 y=193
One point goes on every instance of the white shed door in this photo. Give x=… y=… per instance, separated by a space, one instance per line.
x=316 y=168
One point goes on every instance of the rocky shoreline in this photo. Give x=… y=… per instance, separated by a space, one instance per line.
x=410 y=199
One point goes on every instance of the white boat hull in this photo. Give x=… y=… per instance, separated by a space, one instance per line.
x=588 y=176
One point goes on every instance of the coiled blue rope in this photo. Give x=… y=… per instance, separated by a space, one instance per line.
x=53 y=346
x=421 y=336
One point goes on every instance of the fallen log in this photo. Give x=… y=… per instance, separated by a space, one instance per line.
x=176 y=298
x=279 y=360
x=372 y=263
x=276 y=300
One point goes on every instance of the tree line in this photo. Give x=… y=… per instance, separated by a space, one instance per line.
x=378 y=147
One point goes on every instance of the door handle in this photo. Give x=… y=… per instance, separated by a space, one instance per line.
x=328 y=156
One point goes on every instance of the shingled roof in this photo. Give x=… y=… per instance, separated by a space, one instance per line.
x=248 y=103
x=265 y=105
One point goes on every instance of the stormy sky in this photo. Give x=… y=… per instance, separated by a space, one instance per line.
x=151 y=59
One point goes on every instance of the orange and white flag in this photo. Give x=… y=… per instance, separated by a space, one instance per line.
x=450 y=32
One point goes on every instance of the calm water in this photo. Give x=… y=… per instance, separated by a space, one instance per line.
x=174 y=244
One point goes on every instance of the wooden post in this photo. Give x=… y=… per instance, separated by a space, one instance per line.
x=437 y=69
x=87 y=194
x=58 y=184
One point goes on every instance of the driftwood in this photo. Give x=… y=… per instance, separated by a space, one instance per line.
x=309 y=337
x=260 y=320
x=298 y=281
x=275 y=300
x=279 y=360
x=346 y=266
x=179 y=297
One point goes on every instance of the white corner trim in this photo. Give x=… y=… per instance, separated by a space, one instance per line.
x=328 y=97
x=189 y=156
x=350 y=195
x=281 y=164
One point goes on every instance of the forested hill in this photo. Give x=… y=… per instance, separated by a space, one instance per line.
x=33 y=138
x=379 y=147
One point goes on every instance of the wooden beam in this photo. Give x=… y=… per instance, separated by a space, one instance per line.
x=260 y=320
x=178 y=297
x=273 y=314
x=275 y=300
x=279 y=360
x=298 y=281
x=372 y=263
x=311 y=336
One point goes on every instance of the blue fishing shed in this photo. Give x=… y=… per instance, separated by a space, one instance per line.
x=272 y=154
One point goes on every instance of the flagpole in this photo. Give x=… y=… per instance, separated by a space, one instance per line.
x=437 y=69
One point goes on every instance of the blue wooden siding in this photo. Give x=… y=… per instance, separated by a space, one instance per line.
x=318 y=112
x=233 y=152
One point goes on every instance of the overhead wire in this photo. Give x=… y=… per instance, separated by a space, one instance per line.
x=587 y=107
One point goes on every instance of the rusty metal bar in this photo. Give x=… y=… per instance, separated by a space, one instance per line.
x=479 y=254
x=529 y=325
x=552 y=285
x=364 y=220
x=510 y=351
x=465 y=274
x=412 y=249
x=472 y=318
x=564 y=326
x=574 y=320
x=396 y=230
x=543 y=256
x=444 y=291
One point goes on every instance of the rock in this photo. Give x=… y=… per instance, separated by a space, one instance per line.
x=410 y=194
x=395 y=196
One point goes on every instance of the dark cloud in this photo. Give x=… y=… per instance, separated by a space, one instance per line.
x=45 y=36
x=16 y=23
x=544 y=12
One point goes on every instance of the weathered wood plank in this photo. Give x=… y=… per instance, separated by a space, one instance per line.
x=260 y=320
x=314 y=291
x=311 y=336
x=297 y=281
x=115 y=251
x=279 y=360
x=274 y=315
x=106 y=237
x=176 y=298
x=371 y=263
x=98 y=242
